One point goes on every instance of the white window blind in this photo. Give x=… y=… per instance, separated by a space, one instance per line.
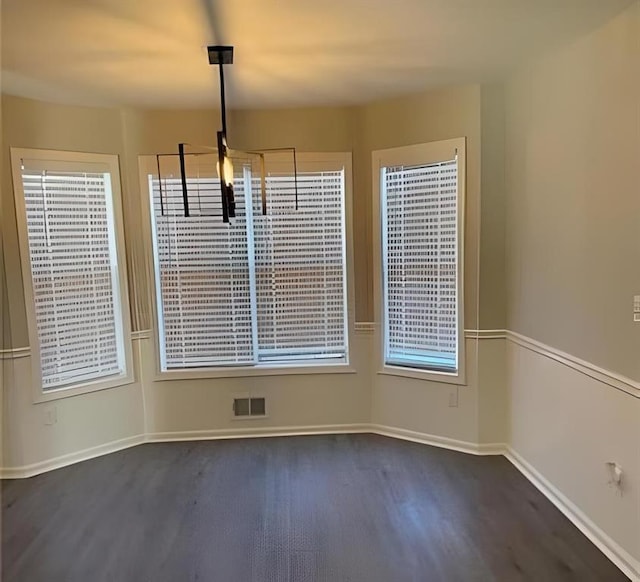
x=420 y=241
x=259 y=290
x=300 y=268
x=202 y=276
x=74 y=271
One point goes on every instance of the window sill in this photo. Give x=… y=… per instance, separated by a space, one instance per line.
x=42 y=396
x=426 y=375
x=252 y=371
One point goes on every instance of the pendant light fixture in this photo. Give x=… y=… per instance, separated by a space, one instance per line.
x=221 y=56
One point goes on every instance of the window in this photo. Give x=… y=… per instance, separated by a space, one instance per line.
x=73 y=269
x=421 y=208
x=262 y=290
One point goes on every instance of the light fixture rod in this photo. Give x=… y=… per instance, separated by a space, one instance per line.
x=223 y=104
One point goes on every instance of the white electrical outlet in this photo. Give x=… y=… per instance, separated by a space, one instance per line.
x=50 y=416
x=615 y=476
x=636 y=308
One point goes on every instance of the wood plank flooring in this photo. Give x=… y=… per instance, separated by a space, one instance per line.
x=356 y=508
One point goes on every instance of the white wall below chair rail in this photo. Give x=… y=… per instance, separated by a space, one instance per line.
x=566 y=422
x=36 y=433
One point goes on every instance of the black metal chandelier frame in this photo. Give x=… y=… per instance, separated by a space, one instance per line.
x=221 y=56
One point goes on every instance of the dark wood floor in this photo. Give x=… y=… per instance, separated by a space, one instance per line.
x=357 y=508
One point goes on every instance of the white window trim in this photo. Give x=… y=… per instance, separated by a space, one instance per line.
x=300 y=369
x=148 y=165
x=38 y=394
x=414 y=155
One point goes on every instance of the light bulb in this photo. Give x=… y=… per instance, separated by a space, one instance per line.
x=227 y=171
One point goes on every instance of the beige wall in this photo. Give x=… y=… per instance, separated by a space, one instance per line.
x=492 y=313
x=552 y=252
x=573 y=153
x=32 y=124
x=203 y=405
x=572 y=159
x=5 y=330
x=413 y=404
x=416 y=119
x=492 y=290
x=427 y=117
x=159 y=131
x=431 y=116
x=84 y=421
x=443 y=114
x=130 y=133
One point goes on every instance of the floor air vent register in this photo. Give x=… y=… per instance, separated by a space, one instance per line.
x=247 y=407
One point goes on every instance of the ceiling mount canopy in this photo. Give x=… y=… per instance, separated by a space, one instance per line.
x=220 y=55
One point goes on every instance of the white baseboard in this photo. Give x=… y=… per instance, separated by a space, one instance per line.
x=433 y=440
x=262 y=432
x=618 y=555
x=70 y=458
x=243 y=433
x=438 y=441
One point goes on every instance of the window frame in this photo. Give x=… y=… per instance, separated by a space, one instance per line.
x=148 y=165
x=111 y=161
x=418 y=154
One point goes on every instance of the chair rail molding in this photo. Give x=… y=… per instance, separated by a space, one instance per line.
x=613 y=379
x=15 y=353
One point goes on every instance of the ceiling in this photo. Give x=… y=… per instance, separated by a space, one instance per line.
x=152 y=53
